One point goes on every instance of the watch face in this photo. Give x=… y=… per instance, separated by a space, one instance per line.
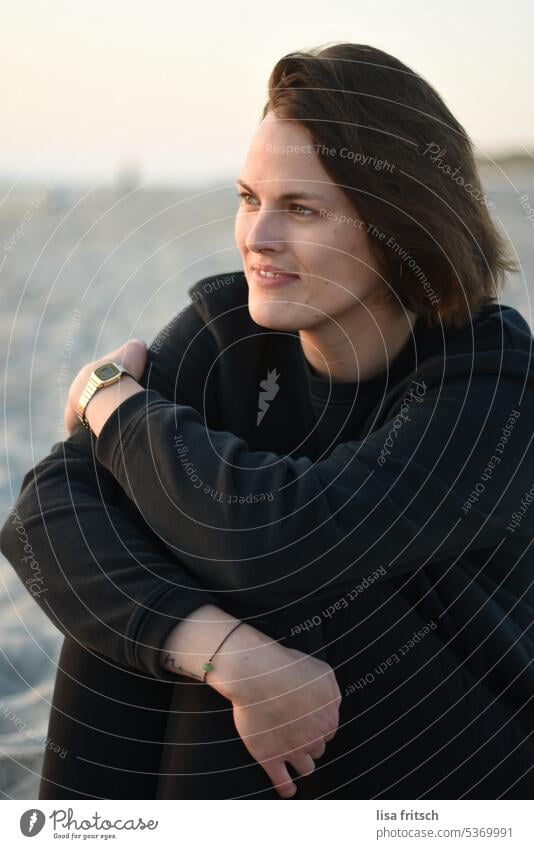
x=106 y=371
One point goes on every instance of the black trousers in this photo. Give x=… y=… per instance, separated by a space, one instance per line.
x=420 y=726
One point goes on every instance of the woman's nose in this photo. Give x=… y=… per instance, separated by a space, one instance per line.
x=266 y=231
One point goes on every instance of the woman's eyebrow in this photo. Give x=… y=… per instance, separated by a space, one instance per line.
x=288 y=195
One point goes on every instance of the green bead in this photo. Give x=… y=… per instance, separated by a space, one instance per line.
x=207 y=667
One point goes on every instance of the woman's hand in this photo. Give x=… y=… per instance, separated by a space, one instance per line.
x=132 y=355
x=289 y=717
x=285 y=703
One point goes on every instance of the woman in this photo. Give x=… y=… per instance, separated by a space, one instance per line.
x=328 y=448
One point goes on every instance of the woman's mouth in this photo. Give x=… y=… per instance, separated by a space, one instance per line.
x=268 y=279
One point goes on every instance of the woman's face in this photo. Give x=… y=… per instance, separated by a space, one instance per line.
x=316 y=234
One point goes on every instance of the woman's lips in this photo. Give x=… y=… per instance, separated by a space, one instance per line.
x=282 y=279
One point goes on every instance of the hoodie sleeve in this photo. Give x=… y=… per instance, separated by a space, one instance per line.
x=437 y=478
x=91 y=563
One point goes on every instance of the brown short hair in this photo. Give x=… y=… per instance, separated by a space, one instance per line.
x=440 y=251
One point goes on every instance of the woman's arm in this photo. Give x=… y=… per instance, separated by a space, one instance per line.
x=95 y=571
x=287 y=528
x=82 y=549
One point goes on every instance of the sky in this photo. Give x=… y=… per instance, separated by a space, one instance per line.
x=173 y=90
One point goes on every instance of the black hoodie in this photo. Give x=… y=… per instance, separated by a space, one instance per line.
x=242 y=478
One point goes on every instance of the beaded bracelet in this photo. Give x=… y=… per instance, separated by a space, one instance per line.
x=208 y=665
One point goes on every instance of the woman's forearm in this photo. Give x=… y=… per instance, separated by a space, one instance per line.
x=194 y=640
x=191 y=642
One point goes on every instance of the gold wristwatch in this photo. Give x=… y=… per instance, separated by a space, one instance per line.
x=104 y=375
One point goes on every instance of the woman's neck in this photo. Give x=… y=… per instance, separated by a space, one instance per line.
x=357 y=346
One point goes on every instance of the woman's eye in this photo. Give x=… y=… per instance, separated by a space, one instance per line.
x=244 y=196
x=301 y=211
x=304 y=209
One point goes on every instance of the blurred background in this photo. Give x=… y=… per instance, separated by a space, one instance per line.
x=124 y=127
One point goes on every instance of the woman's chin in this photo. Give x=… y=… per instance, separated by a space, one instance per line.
x=275 y=315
